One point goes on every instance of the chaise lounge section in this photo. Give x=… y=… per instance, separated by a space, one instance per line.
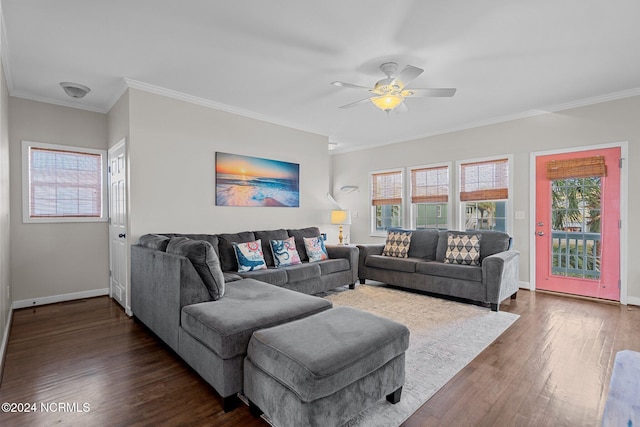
x=207 y=316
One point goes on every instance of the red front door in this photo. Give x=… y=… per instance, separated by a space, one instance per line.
x=577 y=228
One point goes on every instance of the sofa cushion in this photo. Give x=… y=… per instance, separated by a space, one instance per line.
x=463 y=249
x=226 y=326
x=204 y=260
x=321 y=354
x=453 y=271
x=227 y=253
x=299 y=235
x=249 y=256
x=211 y=238
x=301 y=272
x=424 y=243
x=266 y=237
x=493 y=242
x=336 y=265
x=274 y=276
x=397 y=244
x=154 y=241
x=314 y=246
x=285 y=252
x=391 y=263
x=230 y=277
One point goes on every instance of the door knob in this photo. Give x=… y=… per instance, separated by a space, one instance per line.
x=540 y=233
x=122 y=235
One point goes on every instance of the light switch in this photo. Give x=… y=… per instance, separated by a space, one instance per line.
x=520 y=215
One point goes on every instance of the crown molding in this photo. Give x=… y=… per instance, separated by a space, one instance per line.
x=116 y=95
x=70 y=104
x=169 y=93
x=507 y=118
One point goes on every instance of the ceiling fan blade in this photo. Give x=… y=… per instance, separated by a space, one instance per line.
x=402 y=108
x=406 y=76
x=433 y=92
x=353 y=104
x=350 y=85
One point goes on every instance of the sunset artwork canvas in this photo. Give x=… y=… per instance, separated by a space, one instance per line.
x=253 y=181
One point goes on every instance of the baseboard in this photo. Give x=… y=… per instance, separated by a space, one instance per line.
x=524 y=285
x=633 y=301
x=5 y=342
x=59 y=298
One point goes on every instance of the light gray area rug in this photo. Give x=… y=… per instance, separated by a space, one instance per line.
x=445 y=337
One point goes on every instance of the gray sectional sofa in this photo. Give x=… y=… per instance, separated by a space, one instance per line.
x=495 y=279
x=206 y=311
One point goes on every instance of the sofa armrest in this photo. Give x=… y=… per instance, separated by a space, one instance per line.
x=365 y=251
x=500 y=275
x=350 y=253
x=161 y=284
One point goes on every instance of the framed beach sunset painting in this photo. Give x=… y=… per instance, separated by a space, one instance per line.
x=253 y=181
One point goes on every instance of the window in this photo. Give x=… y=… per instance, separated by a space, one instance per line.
x=62 y=183
x=430 y=197
x=484 y=194
x=386 y=201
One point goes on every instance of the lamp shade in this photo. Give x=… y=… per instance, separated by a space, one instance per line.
x=340 y=217
x=387 y=102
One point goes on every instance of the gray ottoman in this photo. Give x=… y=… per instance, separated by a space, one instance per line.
x=325 y=369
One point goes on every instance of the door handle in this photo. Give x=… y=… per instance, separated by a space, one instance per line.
x=122 y=235
x=540 y=233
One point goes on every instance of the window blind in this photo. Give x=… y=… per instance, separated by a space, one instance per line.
x=430 y=185
x=386 y=188
x=487 y=180
x=584 y=167
x=64 y=184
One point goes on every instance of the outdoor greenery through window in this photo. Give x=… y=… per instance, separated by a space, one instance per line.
x=575 y=220
x=484 y=192
x=386 y=200
x=430 y=196
x=64 y=183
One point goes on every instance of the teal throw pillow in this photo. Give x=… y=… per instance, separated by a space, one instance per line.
x=249 y=256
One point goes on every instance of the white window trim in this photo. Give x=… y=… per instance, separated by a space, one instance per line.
x=372 y=214
x=26 y=145
x=458 y=205
x=411 y=206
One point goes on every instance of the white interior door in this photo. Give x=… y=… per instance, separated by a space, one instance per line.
x=118 y=248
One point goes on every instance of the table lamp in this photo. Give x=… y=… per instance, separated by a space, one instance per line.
x=340 y=217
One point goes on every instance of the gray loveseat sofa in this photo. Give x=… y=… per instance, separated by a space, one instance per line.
x=495 y=279
x=206 y=311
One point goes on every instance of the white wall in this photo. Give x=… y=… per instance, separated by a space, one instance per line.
x=54 y=259
x=118 y=121
x=5 y=229
x=607 y=122
x=172 y=150
x=172 y=146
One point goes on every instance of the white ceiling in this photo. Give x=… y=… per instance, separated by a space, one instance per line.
x=274 y=60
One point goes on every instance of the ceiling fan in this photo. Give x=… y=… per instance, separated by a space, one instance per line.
x=389 y=93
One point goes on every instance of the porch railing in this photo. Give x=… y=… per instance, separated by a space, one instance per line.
x=575 y=254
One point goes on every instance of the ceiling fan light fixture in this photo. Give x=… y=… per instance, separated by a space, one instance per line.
x=387 y=102
x=75 y=90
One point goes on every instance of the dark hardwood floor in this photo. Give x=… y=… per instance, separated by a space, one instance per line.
x=551 y=368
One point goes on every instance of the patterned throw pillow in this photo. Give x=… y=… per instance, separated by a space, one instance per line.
x=463 y=249
x=315 y=248
x=397 y=244
x=285 y=252
x=249 y=256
